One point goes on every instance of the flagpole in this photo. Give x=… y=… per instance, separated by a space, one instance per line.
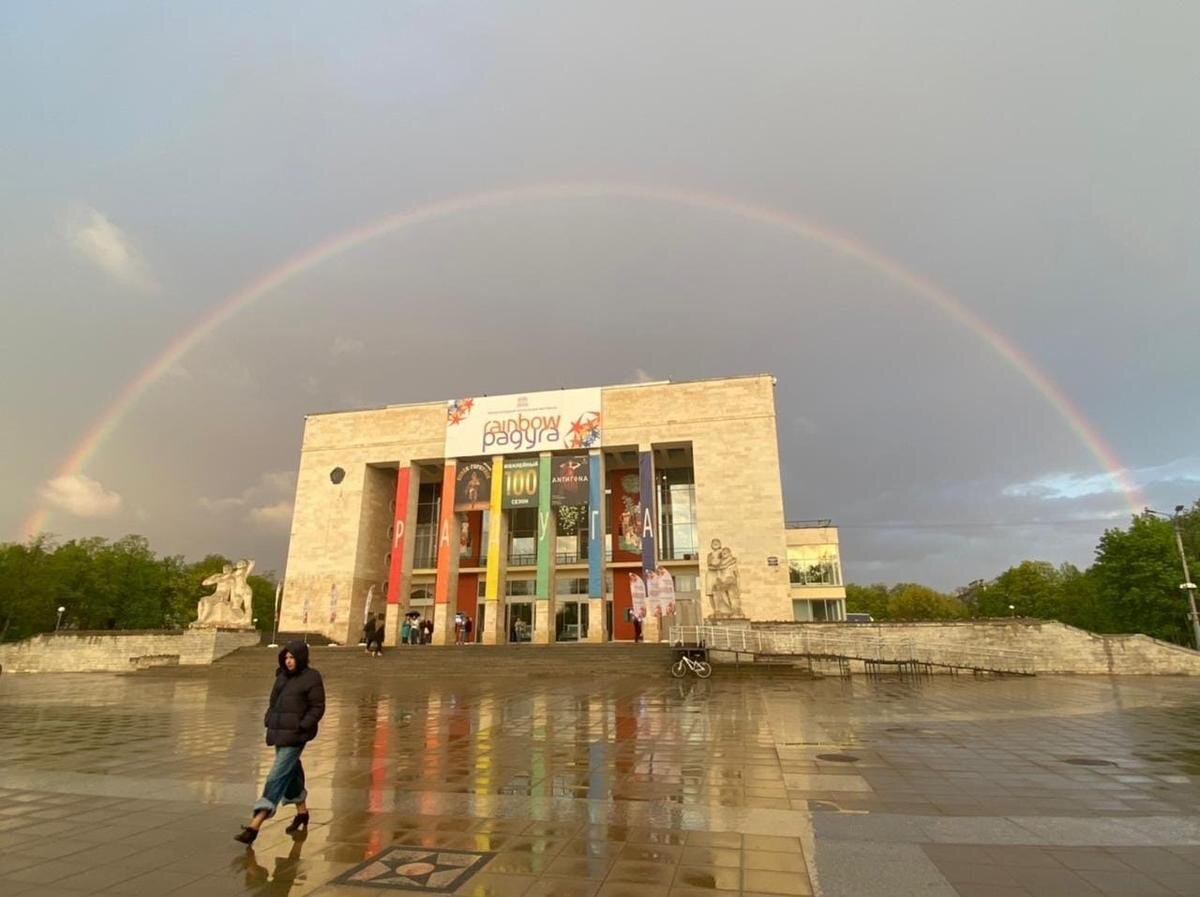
x=275 y=622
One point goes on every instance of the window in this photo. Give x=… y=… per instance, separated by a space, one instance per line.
x=677 y=514
x=429 y=508
x=819 y=611
x=571 y=585
x=814 y=565
x=520 y=588
x=481 y=589
x=522 y=537
x=686 y=582
x=420 y=595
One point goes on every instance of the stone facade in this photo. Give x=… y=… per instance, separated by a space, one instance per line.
x=119 y=652
x=1054 y=647
x=343 y=533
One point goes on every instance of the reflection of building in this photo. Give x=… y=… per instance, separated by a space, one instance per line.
x=529 y=512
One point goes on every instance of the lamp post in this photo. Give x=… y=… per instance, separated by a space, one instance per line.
x=57 y=623
x=1187 y=585
x=1012 y=610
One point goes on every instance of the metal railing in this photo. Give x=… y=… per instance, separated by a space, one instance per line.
x=824 y=644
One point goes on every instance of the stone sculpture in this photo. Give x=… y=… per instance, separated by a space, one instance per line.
x=724 y=592
x=230 y=606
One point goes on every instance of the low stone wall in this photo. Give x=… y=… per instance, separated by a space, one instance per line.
x=1055 y=647
x=121 y=651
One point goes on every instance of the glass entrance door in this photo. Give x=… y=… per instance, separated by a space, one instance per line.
x=518 y=621
x=571 y=621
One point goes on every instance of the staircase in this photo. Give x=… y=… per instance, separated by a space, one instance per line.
x=440 y=662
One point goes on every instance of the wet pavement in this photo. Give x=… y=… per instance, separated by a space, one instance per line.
x=624 y=782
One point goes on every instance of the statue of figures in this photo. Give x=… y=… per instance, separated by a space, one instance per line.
x=214 y=609
x=724 y=592
x=230 y=605
x=242 y=597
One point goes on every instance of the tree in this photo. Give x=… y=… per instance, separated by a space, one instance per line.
x=872 y=599
x=912 y=601
x=1137 y=576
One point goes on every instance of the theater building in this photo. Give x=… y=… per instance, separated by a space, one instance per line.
x=568 y=515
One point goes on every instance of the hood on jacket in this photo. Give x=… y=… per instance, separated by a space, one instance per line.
x=298 y=650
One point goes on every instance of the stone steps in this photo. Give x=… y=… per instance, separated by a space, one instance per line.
x=440 y=661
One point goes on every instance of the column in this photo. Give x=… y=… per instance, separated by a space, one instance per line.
x=651 y=625
x=398 y=572
x=596 y=545
x=447 y=562
x=543 y=605
x=493 y=621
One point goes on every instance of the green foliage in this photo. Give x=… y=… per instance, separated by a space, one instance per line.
x=904 y=601
x=1133 y=586
x=106 y=585
x=872 y=599
x=911 y=601
x=1137 y=575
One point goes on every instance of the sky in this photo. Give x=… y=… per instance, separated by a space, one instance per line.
x=1037 y=163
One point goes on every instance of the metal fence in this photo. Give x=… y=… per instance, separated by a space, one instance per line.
x=816 y=643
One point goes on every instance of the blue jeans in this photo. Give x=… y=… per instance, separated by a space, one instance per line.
x=285 y=781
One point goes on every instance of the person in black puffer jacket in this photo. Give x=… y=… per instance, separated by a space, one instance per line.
x=297 y=705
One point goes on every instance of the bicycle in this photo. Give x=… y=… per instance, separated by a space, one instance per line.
x=702 y=668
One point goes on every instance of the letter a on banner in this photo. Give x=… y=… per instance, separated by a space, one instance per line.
x=646 y=488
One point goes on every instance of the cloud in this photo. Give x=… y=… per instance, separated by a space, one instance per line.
x=344 y=345
x=82 y=496
x=97 y=239
x=277 y=515
x=1056 y=486
x=268 y=499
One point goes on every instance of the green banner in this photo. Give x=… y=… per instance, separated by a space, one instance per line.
x=522 y=483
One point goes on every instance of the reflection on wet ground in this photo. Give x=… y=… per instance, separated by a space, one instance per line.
x=617 y=784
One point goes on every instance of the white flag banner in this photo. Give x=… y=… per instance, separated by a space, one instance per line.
x=637 y=591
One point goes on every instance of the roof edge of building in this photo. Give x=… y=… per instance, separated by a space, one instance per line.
x=442 y=402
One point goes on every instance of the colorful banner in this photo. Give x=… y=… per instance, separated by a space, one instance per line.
x=595 y=527
x=522 y=482
x=660 y=592
x=536 y=421
x=637 y=592
x=569 y=480
x=626 y=513
x=647 y=523
x=472 y=485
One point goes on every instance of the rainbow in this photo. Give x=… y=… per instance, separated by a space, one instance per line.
x=796 y=225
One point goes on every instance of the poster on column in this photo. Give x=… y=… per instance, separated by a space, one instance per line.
x=569 y=480
x=533 y=422
x=521 y=483
x=473 y=486
x=660 y=592
x=637 y=592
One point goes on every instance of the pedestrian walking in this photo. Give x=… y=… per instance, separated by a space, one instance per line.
x=296 y=706
x=405 y=631
x=468 y=629
x=459 y=624
x=375 y=639
x=368 y=633
x=426 y=631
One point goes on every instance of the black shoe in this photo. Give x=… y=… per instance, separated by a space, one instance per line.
x=300 y=822
x=246 y=835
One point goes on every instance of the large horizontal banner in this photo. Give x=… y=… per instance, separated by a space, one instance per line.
x=569 y=480
x=534 y=422
x=473 y=486
x=521 y=484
